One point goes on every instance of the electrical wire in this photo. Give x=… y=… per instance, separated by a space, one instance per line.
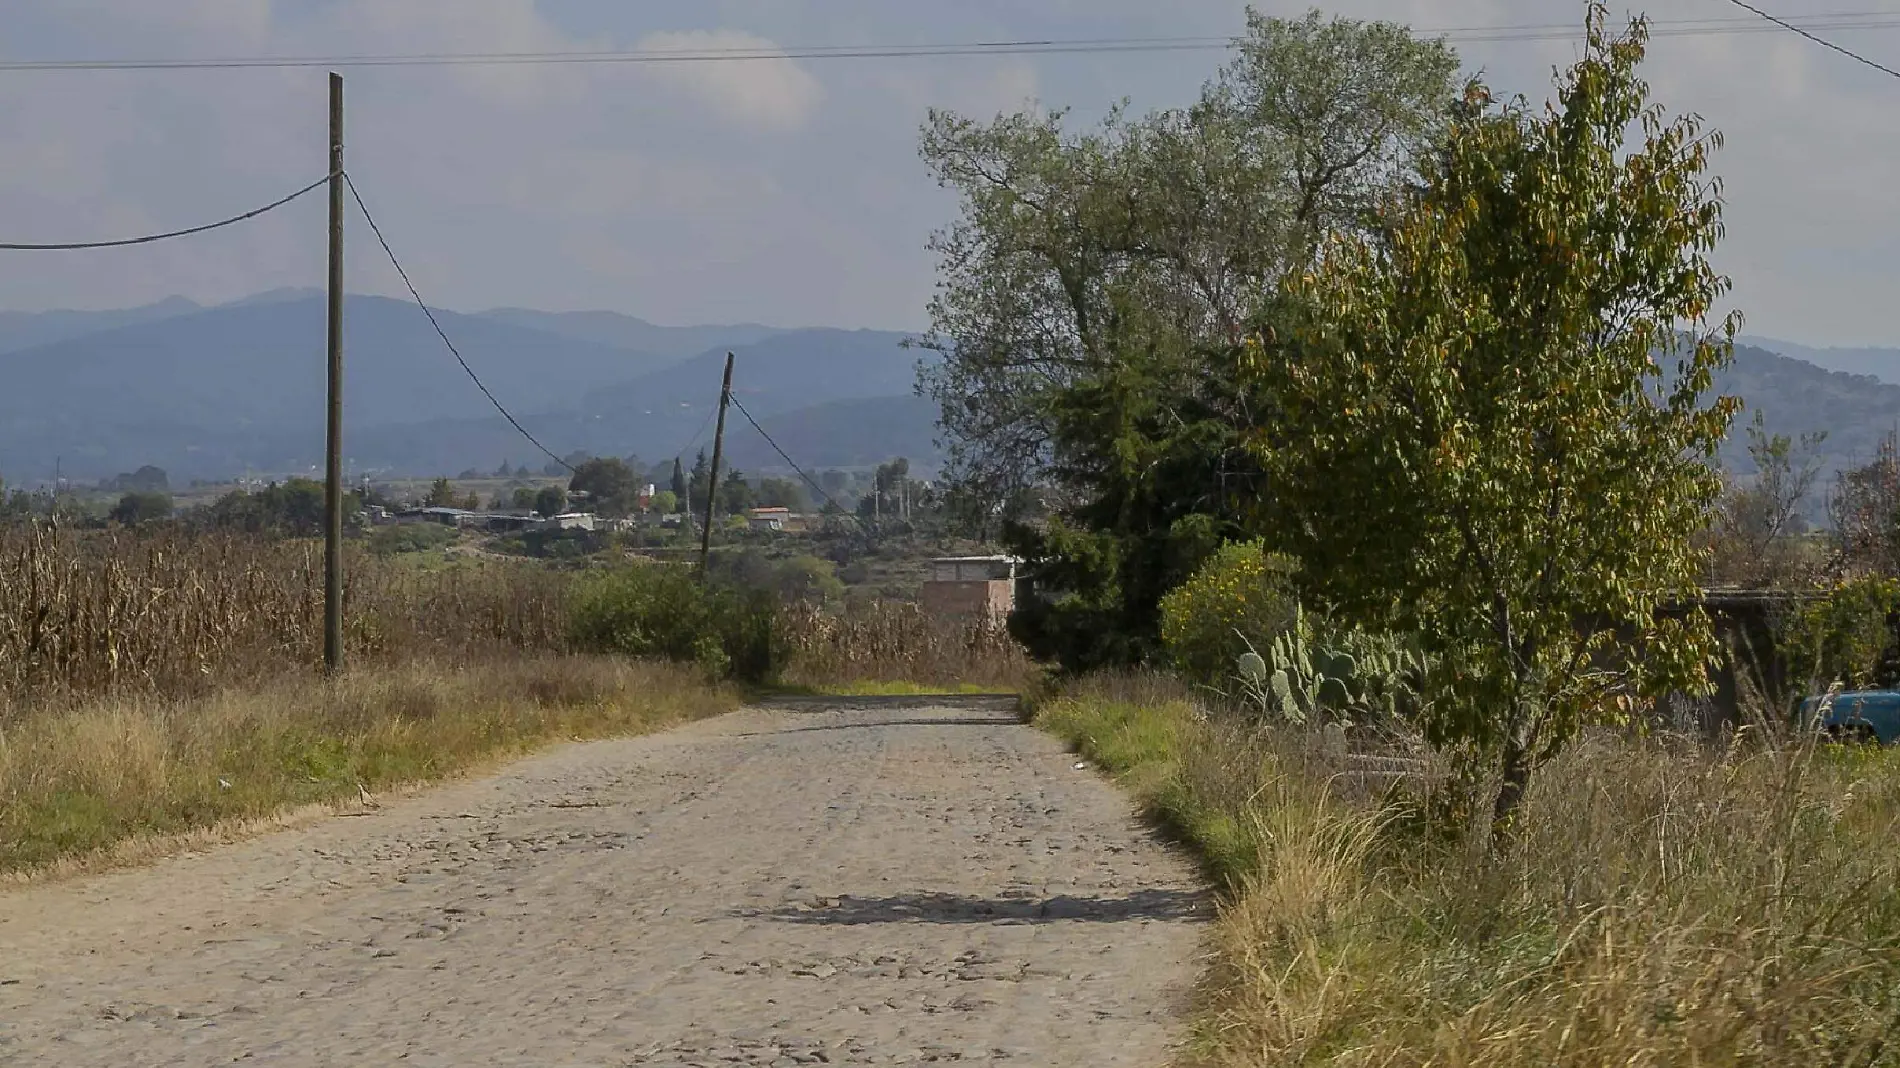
x=694 y=440
x=149 y=238
x=1839 y=20
x=439 y=332
x=829 y=499
x=1822 y=41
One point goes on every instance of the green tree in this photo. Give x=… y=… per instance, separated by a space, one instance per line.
x=147 y=479
x=15 y=504
x=808 y=578
x=551 y=500
x=1095 y=280
x=1757 y=520
x=1236 y=603
x=292 y=507
x=679 y=482
x=666 y=502
x=612 y=483
x=1864 y=512
x=1488 y=427
x=523 y=499
x=735 y=493
x=783 y=493
x=698 y=481
x=442 y=495
x=140 y=507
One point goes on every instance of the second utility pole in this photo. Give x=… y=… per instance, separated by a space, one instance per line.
x=712 y=478
x=333 y=443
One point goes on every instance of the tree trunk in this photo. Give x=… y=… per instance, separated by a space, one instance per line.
x=1516 y=769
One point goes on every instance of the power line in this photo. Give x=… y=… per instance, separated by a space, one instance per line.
x=829 y=499
x=439 y=332
x=149 y=238
x=1822 y=41
x=694 y=440
x=643 y=56
x=1859 y=20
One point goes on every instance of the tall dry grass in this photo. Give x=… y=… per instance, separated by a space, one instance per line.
x=157 y=682
x=174 y=612
x=77 y=781
x=154 y=683
x=1664 y=904
x=899 y=642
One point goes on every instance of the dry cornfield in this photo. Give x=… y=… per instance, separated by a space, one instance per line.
x=175 y=612
x=892 y=640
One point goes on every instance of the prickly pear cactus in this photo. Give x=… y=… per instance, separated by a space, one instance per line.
x=1352 y=676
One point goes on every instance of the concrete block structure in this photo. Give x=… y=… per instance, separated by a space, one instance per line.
x=971 y=587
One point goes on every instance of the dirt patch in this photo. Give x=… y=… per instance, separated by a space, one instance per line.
x=774 y=887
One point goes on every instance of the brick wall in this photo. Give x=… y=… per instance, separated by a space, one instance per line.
x=969 y=598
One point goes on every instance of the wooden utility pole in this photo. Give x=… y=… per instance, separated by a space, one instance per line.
x=333 y=442
x=712 y=477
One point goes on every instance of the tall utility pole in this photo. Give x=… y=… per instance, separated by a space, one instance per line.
x=333 y=451
x=712 y=478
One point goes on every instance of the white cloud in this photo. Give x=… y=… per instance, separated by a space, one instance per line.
x=674 y=190
x=772 y=94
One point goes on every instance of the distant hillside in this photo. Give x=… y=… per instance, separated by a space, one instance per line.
x=211 y=392
x=813 y=378
x=851 y=433
x=243 y=384
x=790 y=370
x=625 y=331
x=25 y=330
x=1883 y=364
x=1796 y=397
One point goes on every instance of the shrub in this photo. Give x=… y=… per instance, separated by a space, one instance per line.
x=1848 y=637
x=664 y=612
x=1241 y=596
x=410 y=538
x=1318 y=670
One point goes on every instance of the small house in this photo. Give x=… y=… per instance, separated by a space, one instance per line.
x=970 y=587
x=768 y=518
x=509 y=522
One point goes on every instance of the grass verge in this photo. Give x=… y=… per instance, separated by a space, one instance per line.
x=79 y=781
x=1665 y=905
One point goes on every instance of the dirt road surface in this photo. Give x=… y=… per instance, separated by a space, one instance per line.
x=775 y=887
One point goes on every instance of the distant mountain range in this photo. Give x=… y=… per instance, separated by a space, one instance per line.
x=1796 y=397
x=1883 y=364
x=211 y=392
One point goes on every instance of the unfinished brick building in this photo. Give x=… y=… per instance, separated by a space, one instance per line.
x=968 y=587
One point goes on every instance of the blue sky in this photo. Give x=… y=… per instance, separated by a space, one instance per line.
x=785 y=192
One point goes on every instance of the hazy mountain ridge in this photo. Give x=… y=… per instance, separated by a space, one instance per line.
x=25 y=330
x=626 y=331
x=1795 y=397
x=1880 y=363
x=212 y=392
x=790 y=370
